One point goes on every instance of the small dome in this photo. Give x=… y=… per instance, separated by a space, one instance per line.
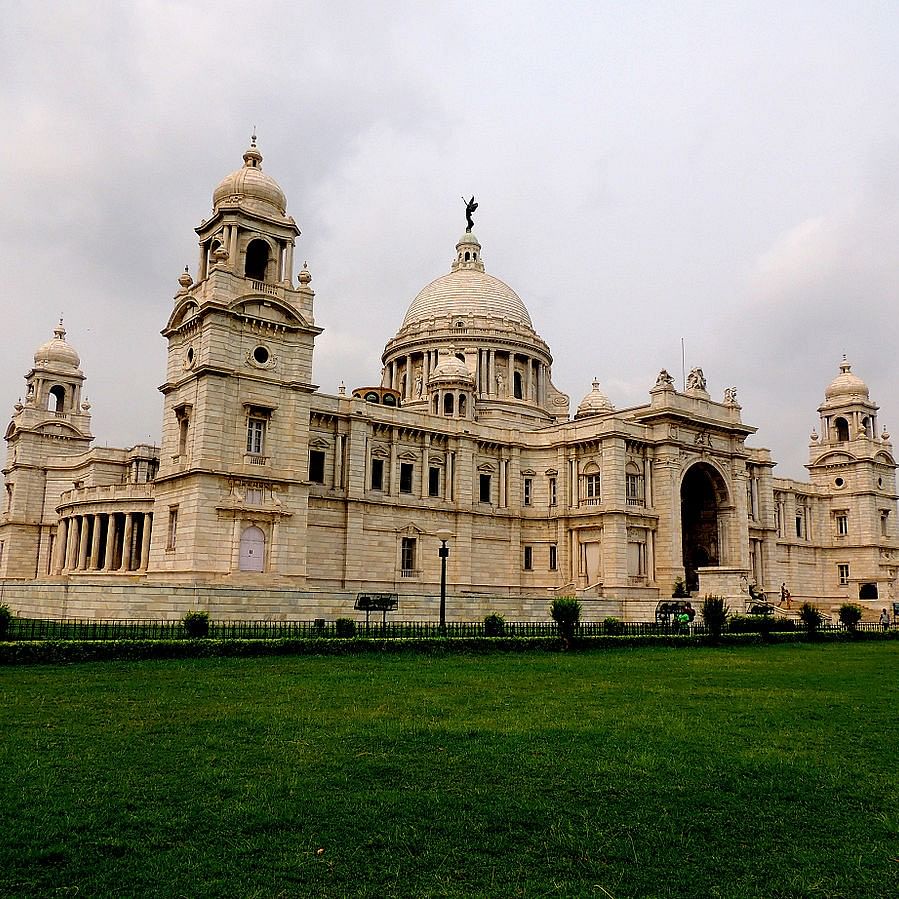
x=57 y=351
x=594 y=403
x=251 y=187
x=846 y=385
x=450 y=368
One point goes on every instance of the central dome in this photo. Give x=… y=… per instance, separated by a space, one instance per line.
x=467 y=290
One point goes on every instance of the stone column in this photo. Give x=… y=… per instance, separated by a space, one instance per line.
x=81 y=563
x=126 y=543
x=288 y=267
x=449 y=484
x=232 y=248
x=530 y=380
x=95 y=544
x=424 y=466
x=425 y=373
x=501 y=499
x=59 y=549
x=510 y=380
x=491 y=374
x=145 y=541
x=407 y=367
x=71 y=556
x=392 y=383
x=110 y=542
x=393 y=482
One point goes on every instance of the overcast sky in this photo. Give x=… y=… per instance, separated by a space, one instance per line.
x=723 y=172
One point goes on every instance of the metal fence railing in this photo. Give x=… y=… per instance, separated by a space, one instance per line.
x=86 y=629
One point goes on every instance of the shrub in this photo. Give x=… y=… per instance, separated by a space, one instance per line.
x=811 y=618
x=714 y=614
x=611 y=625
x=758 y=624
x=5 y=618
x=850 y=615
x=345 y=627
x=566 y=612
x=680 y=590
x=196 y=623
x=494 y=625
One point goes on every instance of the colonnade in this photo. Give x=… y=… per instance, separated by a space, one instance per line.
x=494 y=375
x=103 y=541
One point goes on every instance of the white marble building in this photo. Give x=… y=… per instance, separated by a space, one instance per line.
x=268 y=498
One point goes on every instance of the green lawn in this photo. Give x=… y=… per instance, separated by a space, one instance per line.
x=757 y=772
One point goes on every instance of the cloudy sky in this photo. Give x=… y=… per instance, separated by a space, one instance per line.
x=726 y=173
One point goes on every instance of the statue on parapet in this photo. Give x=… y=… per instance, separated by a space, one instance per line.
x=664 y=380
x=470 y=207
x=696 y=380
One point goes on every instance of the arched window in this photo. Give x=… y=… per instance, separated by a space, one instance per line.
x=436 y=404
x=447 y=404
x=252 y=549
x=461 y=406
x=257 y=260
x=866 y=427
x=633 y=477
x=516 y=385
x=58 y=398
x=841 y=426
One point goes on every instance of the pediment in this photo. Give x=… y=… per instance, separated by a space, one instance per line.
x=407 y=456
x=410 y=530
x=380 y=451
x=183 y=312
x=528 y=472
x=551 y=472
x=268 y=309
x=487 y=467
x=317 y=442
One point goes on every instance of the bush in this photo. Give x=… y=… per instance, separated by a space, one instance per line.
x=759 y=624
x=345 y=627
x=5 y=618
x=680 y=590
x=611 y=625
x=494 y=625
x=196 y=623
x=714 y=614
x=850 y=615
x=811 y=618
x=566 y=612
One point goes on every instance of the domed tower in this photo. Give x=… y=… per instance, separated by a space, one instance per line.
x=594 y=403
x=53 y=421
x=854 y=463
x=479 y=320
x=236 y=408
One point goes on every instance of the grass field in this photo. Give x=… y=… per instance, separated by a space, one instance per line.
x=758 y=772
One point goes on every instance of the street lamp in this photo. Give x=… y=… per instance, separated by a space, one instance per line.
x=443 y=535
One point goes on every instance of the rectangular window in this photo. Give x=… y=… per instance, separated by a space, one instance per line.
x=253 y=496
x=172 y=531
x=842 y=525
x=552 y=491
x=528 y=490
x=553 y=557
x=884 y=524
x=407 y=559
x=317 y=466
x=433 y=481
x=406 y=469
x=592 y=486
x=529 y=558
x=256 y=436
x=843 y=572
x=634 y=489
x=485 y=488
x=377 y=474
x=799 y=525
x=636 y=559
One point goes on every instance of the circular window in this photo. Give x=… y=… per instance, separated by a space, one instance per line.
x=839 y=482
x=260 y=354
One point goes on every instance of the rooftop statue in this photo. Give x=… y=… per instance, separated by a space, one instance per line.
x=470 y=207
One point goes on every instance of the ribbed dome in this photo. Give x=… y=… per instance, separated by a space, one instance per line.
x=846 y=384
x=594 y=403
x=450 y=368
x=467 y=292
x=251 y=187
x=57 y=351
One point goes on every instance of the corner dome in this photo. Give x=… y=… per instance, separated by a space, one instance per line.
x=594 y=403
x=250 y=187
x=467 y=290
x=450 y=368
x=57 y=351
x=846 y=385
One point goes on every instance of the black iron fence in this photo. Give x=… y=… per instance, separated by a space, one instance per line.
x=87 y=629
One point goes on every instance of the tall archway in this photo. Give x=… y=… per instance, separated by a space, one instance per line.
x=257 y=259
x=702 y=495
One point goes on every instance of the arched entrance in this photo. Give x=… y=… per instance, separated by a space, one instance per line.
x=252 y=549
x=702 y=494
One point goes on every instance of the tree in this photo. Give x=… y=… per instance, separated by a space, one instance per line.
x=566 y=612
x=714 y=614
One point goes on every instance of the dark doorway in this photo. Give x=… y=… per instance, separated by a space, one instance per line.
x=700 y=491
x=257 y=260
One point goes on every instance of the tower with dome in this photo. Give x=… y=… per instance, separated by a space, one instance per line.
x=268 y=497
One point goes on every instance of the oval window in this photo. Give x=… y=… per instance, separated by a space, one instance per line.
x=260 y=354
x=190 y=355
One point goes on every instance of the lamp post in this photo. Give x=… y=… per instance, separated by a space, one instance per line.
x=443 y=535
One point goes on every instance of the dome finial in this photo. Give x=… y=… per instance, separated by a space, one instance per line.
x=252 y=158
x=59 y=331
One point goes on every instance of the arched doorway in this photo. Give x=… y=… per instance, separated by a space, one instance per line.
x=702 y=494
x=252 y=549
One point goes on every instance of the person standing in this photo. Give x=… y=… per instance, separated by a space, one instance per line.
x=785 y=597
x=885 y=620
